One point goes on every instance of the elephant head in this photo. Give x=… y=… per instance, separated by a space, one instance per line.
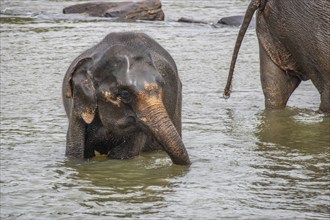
x=124 y=89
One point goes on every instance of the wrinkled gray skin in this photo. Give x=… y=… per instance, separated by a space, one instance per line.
x=294 y=45
x=123 y=97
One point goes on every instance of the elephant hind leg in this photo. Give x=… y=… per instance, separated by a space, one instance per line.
x=325 y=99
x=276 y=83
x=321 y=80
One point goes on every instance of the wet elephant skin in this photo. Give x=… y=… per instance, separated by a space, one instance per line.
x=123 y=97
x=294 y=45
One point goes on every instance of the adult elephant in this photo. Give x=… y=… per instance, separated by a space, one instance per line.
x=122 y=97
x=294 y=45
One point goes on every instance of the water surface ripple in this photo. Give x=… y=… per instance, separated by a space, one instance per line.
x=247 y=163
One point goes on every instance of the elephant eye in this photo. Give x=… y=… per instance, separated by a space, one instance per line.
x=125 y=96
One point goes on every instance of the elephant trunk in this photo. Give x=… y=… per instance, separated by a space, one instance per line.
x=154 y=116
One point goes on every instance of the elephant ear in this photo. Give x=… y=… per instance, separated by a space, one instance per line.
x=80 y=87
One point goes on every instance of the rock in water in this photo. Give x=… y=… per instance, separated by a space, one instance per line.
x=235 y=21
x=133 y=10
x=189 y=20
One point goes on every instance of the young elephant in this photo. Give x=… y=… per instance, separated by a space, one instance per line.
x=123 y=97
x=294 y=45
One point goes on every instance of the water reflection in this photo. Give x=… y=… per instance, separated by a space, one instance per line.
x=301 y=130
x=295 y=150
x=120 y=185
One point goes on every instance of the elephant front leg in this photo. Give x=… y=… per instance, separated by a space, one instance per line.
x=277 y=85
x=131 y=147
x=75 y=141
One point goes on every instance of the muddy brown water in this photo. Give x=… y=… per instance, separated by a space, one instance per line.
x=247 y=163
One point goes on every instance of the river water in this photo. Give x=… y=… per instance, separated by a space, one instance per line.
x=247 y=163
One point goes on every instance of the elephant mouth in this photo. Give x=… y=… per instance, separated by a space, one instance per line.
x=127 y=124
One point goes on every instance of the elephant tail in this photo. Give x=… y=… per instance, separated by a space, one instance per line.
x=253 y=6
